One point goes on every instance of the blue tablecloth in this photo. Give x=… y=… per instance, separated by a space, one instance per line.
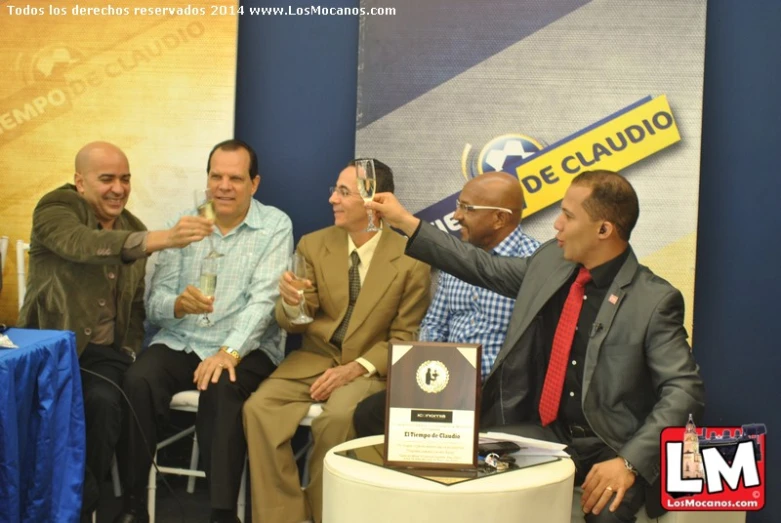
x=41 y=428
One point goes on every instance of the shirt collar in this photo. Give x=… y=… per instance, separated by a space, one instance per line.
x=506 y=246
x=365 y=251
x=603 y=275
x=253 y=219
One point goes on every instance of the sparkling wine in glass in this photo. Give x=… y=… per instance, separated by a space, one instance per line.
x=367 y=184
x=298 y=268
x=207 y=284
x=204 y=202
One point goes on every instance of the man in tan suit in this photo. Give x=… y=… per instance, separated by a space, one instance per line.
x=344 y=354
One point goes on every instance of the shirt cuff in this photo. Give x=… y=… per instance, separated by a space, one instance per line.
x=134 y=247
x=414 y=234
x=371 y=370
x=291 y=311
x=236 y=341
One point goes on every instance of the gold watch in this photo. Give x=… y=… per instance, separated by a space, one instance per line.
x=232 y=352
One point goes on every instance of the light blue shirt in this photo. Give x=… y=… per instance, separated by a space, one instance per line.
x=257 y=252
x=464 y=313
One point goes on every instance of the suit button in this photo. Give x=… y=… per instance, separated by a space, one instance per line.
x=88 y=331
x=574 y=362
x=571 y=394
x=111 y=276
x=102 y=302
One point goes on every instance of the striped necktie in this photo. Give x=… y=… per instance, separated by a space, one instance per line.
x=355 y=289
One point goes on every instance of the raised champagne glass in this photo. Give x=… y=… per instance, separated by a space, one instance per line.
x=298 y=268
x=204 y=202
x=207 y=284
x=367 y=184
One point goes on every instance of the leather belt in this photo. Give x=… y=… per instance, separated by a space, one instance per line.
x=580 y=431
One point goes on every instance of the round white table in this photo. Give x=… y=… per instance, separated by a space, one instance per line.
x=357 y=492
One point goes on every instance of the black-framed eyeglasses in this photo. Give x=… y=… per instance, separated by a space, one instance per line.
x=465 y=207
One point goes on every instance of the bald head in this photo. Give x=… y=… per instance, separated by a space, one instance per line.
x=499 y=189
x=88 y=154
x=483 y=214
x=102 y=178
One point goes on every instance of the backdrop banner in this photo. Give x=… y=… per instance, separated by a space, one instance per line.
x=158 y=82
x=542 y=89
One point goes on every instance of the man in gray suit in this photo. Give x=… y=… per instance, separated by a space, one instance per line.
x=596 y=355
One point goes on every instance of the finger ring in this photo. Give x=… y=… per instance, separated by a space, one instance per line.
x=609 y=488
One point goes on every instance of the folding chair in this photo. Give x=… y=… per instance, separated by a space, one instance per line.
x=187 y=401
x=21 y=269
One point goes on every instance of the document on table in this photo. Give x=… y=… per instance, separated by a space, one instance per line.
x=529 y=446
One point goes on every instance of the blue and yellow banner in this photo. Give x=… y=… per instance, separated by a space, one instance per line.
x=614 y=145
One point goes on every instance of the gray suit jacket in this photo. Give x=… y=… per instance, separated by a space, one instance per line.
x=639 y=374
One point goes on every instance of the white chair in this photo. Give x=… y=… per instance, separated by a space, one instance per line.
x=3 y=250
x=187 y=401
x=21 y=269
x=669 y=517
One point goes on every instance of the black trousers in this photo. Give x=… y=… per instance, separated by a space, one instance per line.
x=103 y=405
x=369 y=416
x=151 y=382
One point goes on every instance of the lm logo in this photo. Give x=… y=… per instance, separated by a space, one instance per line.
x=718 y=468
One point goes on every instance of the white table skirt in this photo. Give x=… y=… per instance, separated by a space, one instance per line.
x=357 y=492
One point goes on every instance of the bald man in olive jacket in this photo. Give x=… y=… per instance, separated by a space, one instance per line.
x=86 y=274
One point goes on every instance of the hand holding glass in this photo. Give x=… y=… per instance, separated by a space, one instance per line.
x=367 y=184
x=207 y=285
x=298 y=268
x=204 y=202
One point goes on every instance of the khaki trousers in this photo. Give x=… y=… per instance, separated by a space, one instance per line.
x=271 y=417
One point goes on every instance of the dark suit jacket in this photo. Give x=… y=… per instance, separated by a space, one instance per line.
x=71 y=261
x=393 y=299
x=639 y=374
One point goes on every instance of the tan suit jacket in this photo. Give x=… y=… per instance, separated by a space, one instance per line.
x=393 y=299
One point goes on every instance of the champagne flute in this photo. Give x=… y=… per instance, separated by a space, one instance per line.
x=207 y=285
x=204 y=202
x=298 y=268
x=367 y=183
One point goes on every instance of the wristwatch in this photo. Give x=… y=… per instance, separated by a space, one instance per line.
x=631 y=468
x=232 y=352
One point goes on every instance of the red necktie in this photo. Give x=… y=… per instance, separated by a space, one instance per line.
x=562 y=344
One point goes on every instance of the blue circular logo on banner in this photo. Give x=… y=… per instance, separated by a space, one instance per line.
x=503 y=153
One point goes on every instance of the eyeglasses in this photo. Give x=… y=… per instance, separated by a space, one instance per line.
x=469 y=208
x=343 y=192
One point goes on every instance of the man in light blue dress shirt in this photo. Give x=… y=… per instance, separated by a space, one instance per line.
x=225 y=361
x=489 y=213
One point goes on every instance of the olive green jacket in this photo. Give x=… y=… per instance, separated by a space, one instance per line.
x=72 y=266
